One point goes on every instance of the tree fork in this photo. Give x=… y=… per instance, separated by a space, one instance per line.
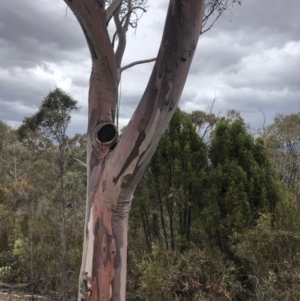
x=114 y=170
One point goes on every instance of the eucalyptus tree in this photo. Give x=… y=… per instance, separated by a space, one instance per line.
x=204 y=123
x=283 y=140
x=48 y=127
x=115 y=166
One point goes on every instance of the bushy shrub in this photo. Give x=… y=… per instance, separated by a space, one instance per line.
x=269 y=257
x=194 y=275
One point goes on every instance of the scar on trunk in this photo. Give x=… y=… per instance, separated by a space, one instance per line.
x=85 y=287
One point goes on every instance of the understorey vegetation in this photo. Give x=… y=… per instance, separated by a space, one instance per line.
x=214 y=217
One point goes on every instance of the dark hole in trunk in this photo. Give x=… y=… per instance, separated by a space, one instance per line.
x=106 y=133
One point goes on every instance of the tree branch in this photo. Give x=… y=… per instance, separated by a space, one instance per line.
x=136 y=63
x=79 y=161
x=103 y=92
x=121 y=32
x=110 y=11
x=264 y=124
x=127 y=18
x=118 y=24
x=161 y=96
x=218 y=6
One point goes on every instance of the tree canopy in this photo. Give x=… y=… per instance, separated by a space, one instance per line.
x=242 y=182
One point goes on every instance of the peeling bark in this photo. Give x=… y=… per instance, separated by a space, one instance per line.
x=115 y=167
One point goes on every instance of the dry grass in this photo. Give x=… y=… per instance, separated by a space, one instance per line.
x=12 y=296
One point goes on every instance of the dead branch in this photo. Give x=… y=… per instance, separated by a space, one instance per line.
x=137 y=62
x=79 y=161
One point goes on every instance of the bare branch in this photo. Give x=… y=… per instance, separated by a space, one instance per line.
x=79 y=161
x=121 y=33
x=134 y=23
x=119 y=26
x=264 y=124
x=114 y=39
x=136 y=63
x=127 y=18
x=66 y=11
x=139 y=7
x=218 y=6
x=212 y=104
x=212 y=24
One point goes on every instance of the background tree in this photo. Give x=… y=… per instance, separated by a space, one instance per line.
x=283 y=139
x=205 y=122
x=50 y=125
x=242 y=183
x=171 y=191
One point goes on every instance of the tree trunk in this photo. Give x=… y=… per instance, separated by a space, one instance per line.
x=115 y=170
x=146 y=230
x=162 y=220
x=163 y=225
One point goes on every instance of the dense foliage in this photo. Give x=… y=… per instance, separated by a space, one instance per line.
x=211 y=220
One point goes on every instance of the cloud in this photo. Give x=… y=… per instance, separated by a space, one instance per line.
x=249 y=60
x=271 y=69
x=34 y=32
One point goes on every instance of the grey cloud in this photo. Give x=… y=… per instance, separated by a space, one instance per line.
x=33 y=33
x=12 y=113
x=217 y=54
x=80 y=81
x=28 y=91
x=251 y=101
x=275 y=16
x=275 y=73
x=36 y=33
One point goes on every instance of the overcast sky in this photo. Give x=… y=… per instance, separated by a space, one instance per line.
x=250 y=60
